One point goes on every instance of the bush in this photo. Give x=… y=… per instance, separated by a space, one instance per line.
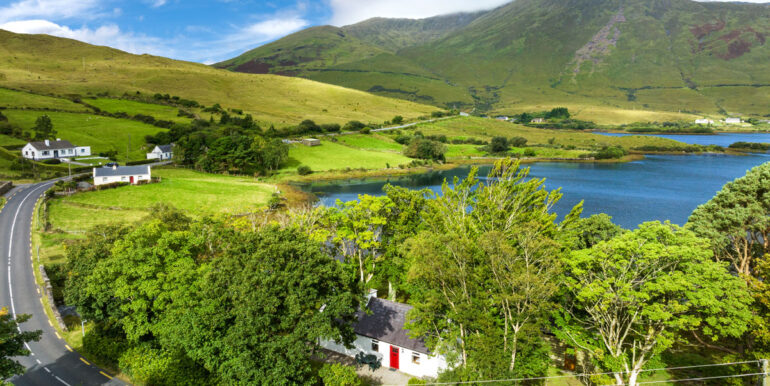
x=54 y=161
x=610 y=152
x=338 y=374
x=366 y=130
x=353 y=126
x=304 y=170
x=403 y=139
x=529 y=152
x=330 y=127
x=275 y=201
x=498 y=145
x=397 y=120
x=517 y=142
x=426 y=149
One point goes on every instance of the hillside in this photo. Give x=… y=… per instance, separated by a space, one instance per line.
x=64 y=67
x=657 y=55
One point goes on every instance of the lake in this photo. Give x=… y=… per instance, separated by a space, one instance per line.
x=660 y=187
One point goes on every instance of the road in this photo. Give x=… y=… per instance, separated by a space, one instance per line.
x=52 y=362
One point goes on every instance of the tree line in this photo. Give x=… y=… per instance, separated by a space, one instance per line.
x=493 y=274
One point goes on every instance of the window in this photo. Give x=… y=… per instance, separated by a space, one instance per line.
x=82 y=150
x=416 y=358
x=104 y=179
x=124 y=178
x=375 y=345
x=45 y=153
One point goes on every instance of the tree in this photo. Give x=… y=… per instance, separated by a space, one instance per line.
x=274 y=153
x=517 y=142
x=44 y=128
x=628 y=299
x=12 y=341
x=558 y=113
x=339 y=374
x=483 y=272
x=397 y=120
x=425 y=149
x=499 y=145
x=595 y=229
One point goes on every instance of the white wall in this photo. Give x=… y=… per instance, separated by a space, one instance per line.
x=113 y=179
x=429 y=366
x=159 y=155
x=31 y=153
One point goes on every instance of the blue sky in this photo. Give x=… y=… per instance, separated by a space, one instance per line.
x=205 y=31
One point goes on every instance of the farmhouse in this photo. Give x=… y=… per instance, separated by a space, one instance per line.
x=53 y=150
x=704 y=121
x=464 y=114
x=161 y=152
x=733 y=121
x=501 y=118
x=311 y=142
x=538 y=120
x=129 y=174
x=382 y=334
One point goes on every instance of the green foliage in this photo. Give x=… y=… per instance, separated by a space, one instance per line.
x=558 y=113
x=595 y=229
x=610 y=152
x=12 y=342
x=426 y=149
x=750 y=146
x=338 y=374
x=397 y=120
x=43 y=128
x=304 y=170
x=499 y=145
x=529 y=152
x=628 y=299
x=517 y=142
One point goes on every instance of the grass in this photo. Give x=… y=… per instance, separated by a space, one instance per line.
x=335 y=156
x=159 y=112
x=196 y=193
x=11 y=141
x=371 y=142
x=23 y=100
x=101 y=133
x=73 y=217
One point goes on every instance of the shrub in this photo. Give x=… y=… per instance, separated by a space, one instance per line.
x=275 y=201
x=403 y=139
x=529 y=152
x=366 y=130
x=610 y=152
x=397 y=120
x=330 y=127
x=54 y=161
x=426 y=149
x=517 y=142
x=353 y=126
x=498 y=145
x=339 y=374
x=304 y=170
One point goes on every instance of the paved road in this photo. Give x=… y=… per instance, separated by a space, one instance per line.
x=51 y=362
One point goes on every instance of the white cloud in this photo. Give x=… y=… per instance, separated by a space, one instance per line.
x=49 y=9
x=106 y=35
x=346 y=12
x=274 y=28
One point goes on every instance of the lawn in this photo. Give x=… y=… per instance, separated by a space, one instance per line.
x=159 y=112
x=11 y=141
x=17 y=99
x=334 y=156
x=464 y=151
x=101 y=133
x=371 y=142
x=73 y=217
x=196 y=193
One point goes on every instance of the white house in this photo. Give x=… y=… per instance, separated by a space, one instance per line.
x=53 y=149
x=733 y=121
x=129 y=174
x=464 y=114
x=161 y=152
x=704 y=121
x=382 y=333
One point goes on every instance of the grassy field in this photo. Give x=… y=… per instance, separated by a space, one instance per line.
x=371 y=142
x=604 y=115
x=56 y=66
x=23 y=100
x=101 y=133
x=195 y=193
x=334 y=156
x=159 y=112
x=11 y=141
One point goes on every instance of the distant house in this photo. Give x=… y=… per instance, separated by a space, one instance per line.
x=128 y=174
x=733 y=121
x=704 y=121
x=381 y=333
x=311 y=142
x=501 y=118
x=161 y=152
x=464 y=114
x=53 y=150
x=538 y=120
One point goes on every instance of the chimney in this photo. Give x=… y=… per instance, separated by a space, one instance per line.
x=47 y=142
x=58 y=139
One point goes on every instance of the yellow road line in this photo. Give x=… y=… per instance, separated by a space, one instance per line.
x=105 y=374
x=57 y=334
x=68 y=347
x=85 y=361
x=49 y=320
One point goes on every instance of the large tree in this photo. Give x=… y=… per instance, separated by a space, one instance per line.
x=44 y=128
x=12 y=341
x=628 y=299
x=484 y=271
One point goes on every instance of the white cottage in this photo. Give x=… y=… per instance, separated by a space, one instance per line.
x=128 y=174
x=53 y=150
x=704 y=121
x=733 y=121
x=382 y=333
x=161 y=152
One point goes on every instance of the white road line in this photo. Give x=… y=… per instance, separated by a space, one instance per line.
x=46 y=369
x=38 y=361
x=61 y=380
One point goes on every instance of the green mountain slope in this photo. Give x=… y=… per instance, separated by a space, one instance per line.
x=49 y=65
x=669 y=55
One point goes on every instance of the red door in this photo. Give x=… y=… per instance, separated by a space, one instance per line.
x=394 y=357
x=131 y=179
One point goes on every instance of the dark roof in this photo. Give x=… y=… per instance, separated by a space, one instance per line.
x=121 y=171
x=386 y=324
x=52 y=145
x=165 y=148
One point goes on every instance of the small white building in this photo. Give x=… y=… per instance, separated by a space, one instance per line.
x=128 y=174
x=161 y=152
x=464 y=114
x=502 y=118
x=704 y=121
x=382 y=333
x=53 y=150
x=733 y=121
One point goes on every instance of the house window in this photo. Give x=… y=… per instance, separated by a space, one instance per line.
x=375 y=345
x=82 y=150
x=124 y=178
x=26 y=153
x=416 y=358
x=45 y=153
x=104 y=179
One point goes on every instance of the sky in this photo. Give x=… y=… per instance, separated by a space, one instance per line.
x=206 y=31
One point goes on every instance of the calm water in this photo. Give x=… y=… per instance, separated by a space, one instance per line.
x=660 y=187
x=723 y=140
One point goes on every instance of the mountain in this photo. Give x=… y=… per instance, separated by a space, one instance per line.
x=55 y=66
x=671 y=55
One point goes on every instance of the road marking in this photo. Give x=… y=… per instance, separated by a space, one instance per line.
x=62 y=381
x=38 y=361
x=85 y=361
x=46 y=369
x=57 y=334
x=105 y=374
x=49 y=320
x=68 y=347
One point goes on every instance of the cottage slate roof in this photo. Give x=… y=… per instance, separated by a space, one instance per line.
x=386 y=324
x=52 y=145
x=121 y=171
x=165 y=148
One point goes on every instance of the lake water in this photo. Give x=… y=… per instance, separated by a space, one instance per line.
x=723 y=140
x=660 y=187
